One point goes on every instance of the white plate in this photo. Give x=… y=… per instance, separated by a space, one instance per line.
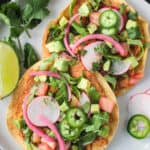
x=122 y=140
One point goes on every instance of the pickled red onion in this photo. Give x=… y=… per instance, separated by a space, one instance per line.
x=101 y=37
x=69 y=49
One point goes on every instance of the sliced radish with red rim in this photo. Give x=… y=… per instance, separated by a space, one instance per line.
x=139 y=104
x=46 y=106
x=84 y=98
x=91 y=56
x=119 y=67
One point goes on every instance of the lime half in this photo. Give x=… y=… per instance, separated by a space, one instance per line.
x=9 y=69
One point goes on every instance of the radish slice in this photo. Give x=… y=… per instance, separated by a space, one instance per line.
x=139 y=104
x=91 y=56
x=46 y=73
x=69 y=92
x=119 y=67
x=45 y=106
x=119 y=48
x=69 y=49
x=30 y=125
x=121 y=17
x=84 y=99
x=147 y=91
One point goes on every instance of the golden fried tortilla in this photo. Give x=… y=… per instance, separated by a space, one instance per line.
x=24 y=86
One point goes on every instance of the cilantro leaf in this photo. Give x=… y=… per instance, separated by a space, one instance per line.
x=111 y=80
x=30 y=55
x=20 y=19
x=94 y=95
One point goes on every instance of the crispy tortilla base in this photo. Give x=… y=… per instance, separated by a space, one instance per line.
x=143 y=27
x=15 y=109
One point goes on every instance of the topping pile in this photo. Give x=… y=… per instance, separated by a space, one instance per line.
x=62 y=111
x=107 y=39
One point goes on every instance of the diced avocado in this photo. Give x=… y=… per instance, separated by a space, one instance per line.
x=106 y=65
x=55 y=46
x=74 y=147
x=48 y=61
x=133 y=62
x=95 y=108
x=36 y=78
x=64 y=106
x=123 y=36
x=61 y=65
x=63 y=22
x=131 y=24
x=84 y=9
x=91 y=28
x=42 y=78
x=84 y=84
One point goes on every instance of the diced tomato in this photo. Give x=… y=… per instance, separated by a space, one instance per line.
x=42 y=89
x=35 y=138
x=94 y=18
x=77 y=70
x=138 y=75
x=126 y=47
x=135 y=78
x=133 y=81
x=77 y=19
x=44 y=146
x=124 y=83
x=106 y=104
x=52 y=145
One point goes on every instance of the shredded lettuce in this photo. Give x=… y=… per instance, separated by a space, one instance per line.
x=111 y=80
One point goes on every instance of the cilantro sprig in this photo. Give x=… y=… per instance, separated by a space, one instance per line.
x=21 y=18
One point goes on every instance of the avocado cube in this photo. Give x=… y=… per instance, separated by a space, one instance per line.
x=106 y=65
x=63 y=22
x=64 y=106
x=95 y=108
x=61 y=65
x=131 y=24
x=133 y=62
x=55 y=46
x=92 y=28
x=84 y=84
x=84 y=9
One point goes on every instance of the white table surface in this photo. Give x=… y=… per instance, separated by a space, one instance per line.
x=122 y=140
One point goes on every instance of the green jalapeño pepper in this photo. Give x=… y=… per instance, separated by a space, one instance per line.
x=69 y=133
x=76 y=117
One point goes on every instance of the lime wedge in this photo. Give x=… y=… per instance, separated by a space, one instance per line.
x=9 y=70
